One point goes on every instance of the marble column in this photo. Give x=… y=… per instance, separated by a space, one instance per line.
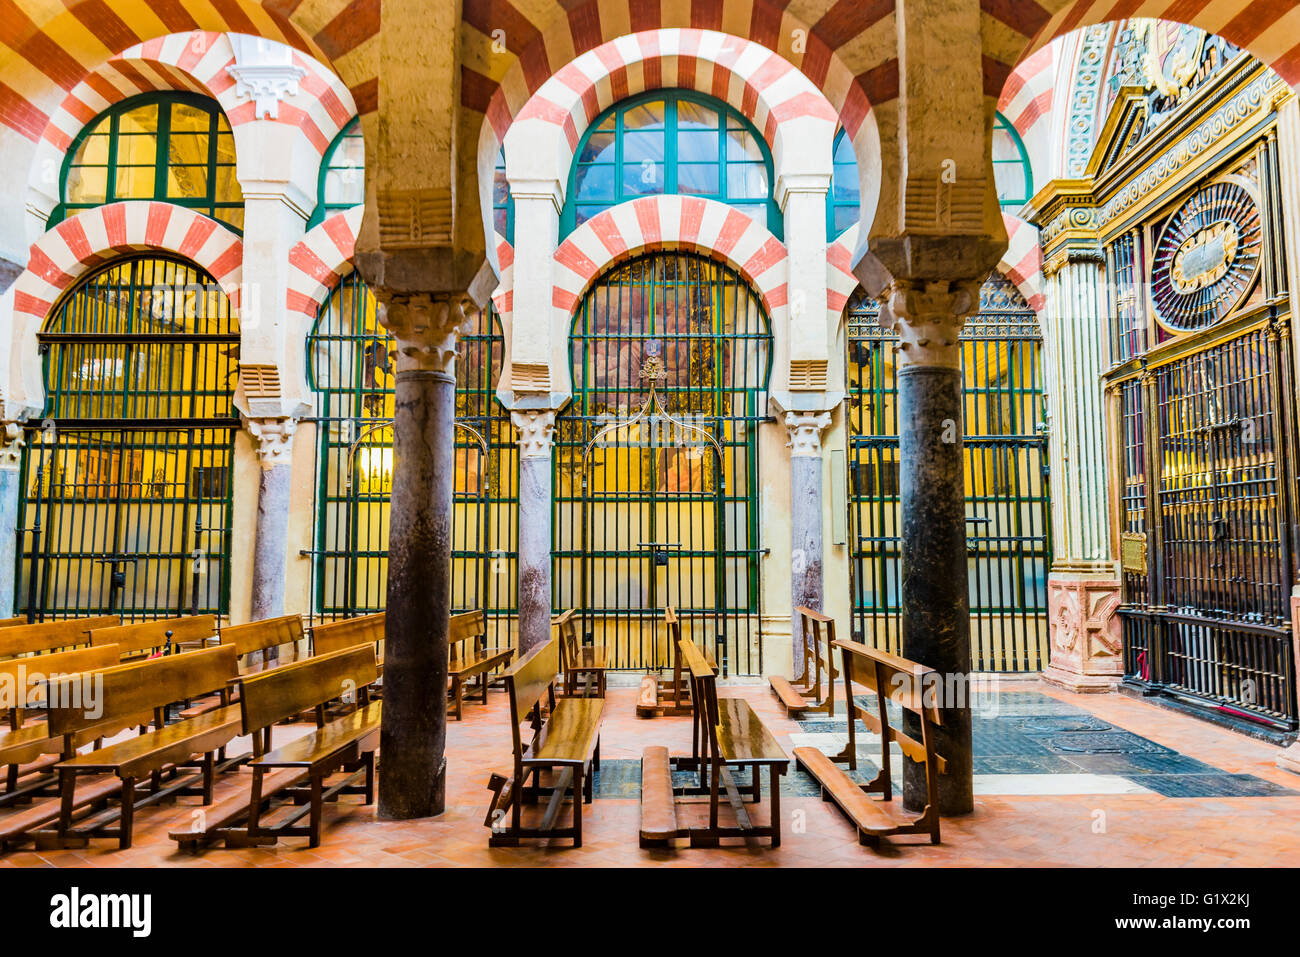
x=273 y=438
x=412 y=780
x=536 y=439
x=10 y=482
x=1083 y=589
x=928 y=317
x=806 y=515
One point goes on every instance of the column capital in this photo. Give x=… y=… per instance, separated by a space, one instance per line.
x=273 y=438
x=536 y=432
x=11 y=447
x=928 y=317
x=426 y=326
x=806 y=430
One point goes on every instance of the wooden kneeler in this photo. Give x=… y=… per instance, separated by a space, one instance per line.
x=818 y=637
x=910 y=686
x=669 y=696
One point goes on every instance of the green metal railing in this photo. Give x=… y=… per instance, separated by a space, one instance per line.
x=125 y=505
x=664 y=525
x=1005 y=451
x=351 y=365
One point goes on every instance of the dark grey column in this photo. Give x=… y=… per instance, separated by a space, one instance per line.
x=536 y=431
x=274 y=440
x=10 y=482
x=935 y=602
x=412 y=778
x=806 y=513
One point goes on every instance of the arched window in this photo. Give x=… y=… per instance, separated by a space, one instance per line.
x=1011 y=171
x=669 y=143
x=503 y=204
x=129 y=477
x=342 y=182
x=173 y=147
x=844 y=199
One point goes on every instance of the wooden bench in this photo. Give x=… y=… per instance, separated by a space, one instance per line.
x=10 y=622
x=131 y=695
x=27 y=639
x=817 y=635
x=331 y=636
x=565 y=743
x=580 y=664
x=28 y=750
x=470 y=657
x=300 y=768
x=671 y=696
x=141 y=639
x=252 y=640
x=726 y=736
x=908 y=685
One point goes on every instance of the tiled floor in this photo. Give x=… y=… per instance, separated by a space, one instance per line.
x=1061 y=779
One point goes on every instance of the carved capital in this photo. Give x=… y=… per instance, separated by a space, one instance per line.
x=11 y=451
x=273 y=439
x=536 y=432
x=426 y=326
x=266 y=84
x=806 y=430
x=928 y=316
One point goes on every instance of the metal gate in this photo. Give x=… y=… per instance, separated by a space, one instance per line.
x=1005 y=450
x=351 y=366
x=1205 y=546
x=664 y=524
x=126 y=497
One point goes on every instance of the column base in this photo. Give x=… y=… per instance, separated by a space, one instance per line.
x=1085 y=636
x=1289 y=759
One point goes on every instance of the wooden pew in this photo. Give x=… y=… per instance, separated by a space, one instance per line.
x=27 y=639
x=470 y=657
x=817 y=635
x=10 y=622
x=255 y=638
x=564 y=742
x=300 y=768
x=579 y=662
x=144 y=638
x=28 y=750
x=331 y=636
x=909 y=685
x=670 y=696
x=129 y=695
x=726 y=736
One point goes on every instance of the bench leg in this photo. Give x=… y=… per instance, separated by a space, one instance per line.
x=317 y=806
x=370 y=777
x=68 y=787
x=579 y=785
x=209 y=770
x=255 y=802
x=127 y=821
x=776 y=802
x=458 y=697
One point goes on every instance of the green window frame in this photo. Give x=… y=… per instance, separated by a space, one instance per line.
x=503 y=204
x=342 y=170
x=117 y=157
x=844 y=199
x=1012 y=174
x=633 y=150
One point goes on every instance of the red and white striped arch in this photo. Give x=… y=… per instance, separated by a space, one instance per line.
x=1027 y=101
x=671 y=222
x=93 y=238
x=1022 y=263
x=319 y=260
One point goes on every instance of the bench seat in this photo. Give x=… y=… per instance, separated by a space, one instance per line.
x=327 y=742
x=788 y=695
x=571 y=733
x=230 y=811
x=14 y=827
x=874 y=819
x=172 y=744
x=742 y=736
x=658 y=806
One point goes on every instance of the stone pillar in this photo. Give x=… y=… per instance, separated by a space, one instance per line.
x=806 y=514
x=412 y=780
x=10 y=482
x=273 y=438
x=1083 y=590
x=536 y=439
x=928 y=317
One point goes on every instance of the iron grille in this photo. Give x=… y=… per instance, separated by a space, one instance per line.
x=664 y=525
x=351 y=366
x=1005 y=450
x=1210 y=620
x=126 y=498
